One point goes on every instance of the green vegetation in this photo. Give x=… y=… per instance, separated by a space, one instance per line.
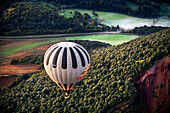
x=113 y=19
x=165 y=9
x=26 y=18
x=105 y=15
x=109 y=18
x=145 y=9
x=145 y=30
x=30 y=18
x=139 y=8
x=33 y=59
x=91 y=45
x=132 y=5
x=108 y=83
x=157 y=97
x=111 y=39
x=38 y=59
x=25 y=47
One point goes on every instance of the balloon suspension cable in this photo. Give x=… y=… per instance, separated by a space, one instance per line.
x=78 y=86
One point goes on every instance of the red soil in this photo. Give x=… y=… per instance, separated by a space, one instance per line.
x=17 y=69
x=6 y=81
x=44 y=47
x=38 y=50
x=7 y=69
x=10 y=43
x=150 y=85
x=21 y=54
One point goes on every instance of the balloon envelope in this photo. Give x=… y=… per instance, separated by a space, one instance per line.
x=66 y=63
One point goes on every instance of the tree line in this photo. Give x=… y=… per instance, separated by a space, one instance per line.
x=26 y=18
x=146 y=8
x=146 y=30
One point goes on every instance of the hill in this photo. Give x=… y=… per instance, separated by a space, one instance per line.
x=27 y=18
x=109 y=81
x=146 y=9
x=138 y=8
x=154 y=85
x=145 y=30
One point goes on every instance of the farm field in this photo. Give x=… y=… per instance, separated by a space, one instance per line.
x=16 y=48
x=17 y=69
x=25 y=45
x=11 y=49
x=113 y=39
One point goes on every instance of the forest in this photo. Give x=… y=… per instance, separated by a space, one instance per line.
x=145 y=30
x=25 y=18
x=108 y=83
x=34 y=17
x=145 y=8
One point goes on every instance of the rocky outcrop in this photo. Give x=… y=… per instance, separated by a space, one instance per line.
x=154 y=86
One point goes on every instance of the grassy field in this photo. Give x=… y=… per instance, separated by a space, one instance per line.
x=125 y=21
x=112 y=19
x=105 y=15
x=111 y=39
x=25 y=47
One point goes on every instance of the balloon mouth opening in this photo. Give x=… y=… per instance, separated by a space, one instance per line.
x=67 y=95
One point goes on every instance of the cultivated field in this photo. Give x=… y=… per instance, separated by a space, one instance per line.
x=113 y=39
x=16 y=45
x=19 y=48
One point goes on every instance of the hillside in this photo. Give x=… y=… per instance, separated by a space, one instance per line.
x=144 y=8
x=26 y=18
x=138 y=8
x=145 y=30
x=109 y=81
x=154 y=85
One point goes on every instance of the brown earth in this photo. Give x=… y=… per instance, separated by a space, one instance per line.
x=38 y=50
x=154 y=84
x=17 y=69
x=21 y=54
x=6 y=69
x=44 y=47
x=16 y=42
x=6 y=81
x=10 y=43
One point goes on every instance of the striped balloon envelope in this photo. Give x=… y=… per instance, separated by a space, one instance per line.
x=66 y=63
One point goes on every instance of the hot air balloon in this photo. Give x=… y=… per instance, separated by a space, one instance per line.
x=66 y=63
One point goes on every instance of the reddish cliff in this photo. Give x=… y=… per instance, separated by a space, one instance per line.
x=154 y=86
